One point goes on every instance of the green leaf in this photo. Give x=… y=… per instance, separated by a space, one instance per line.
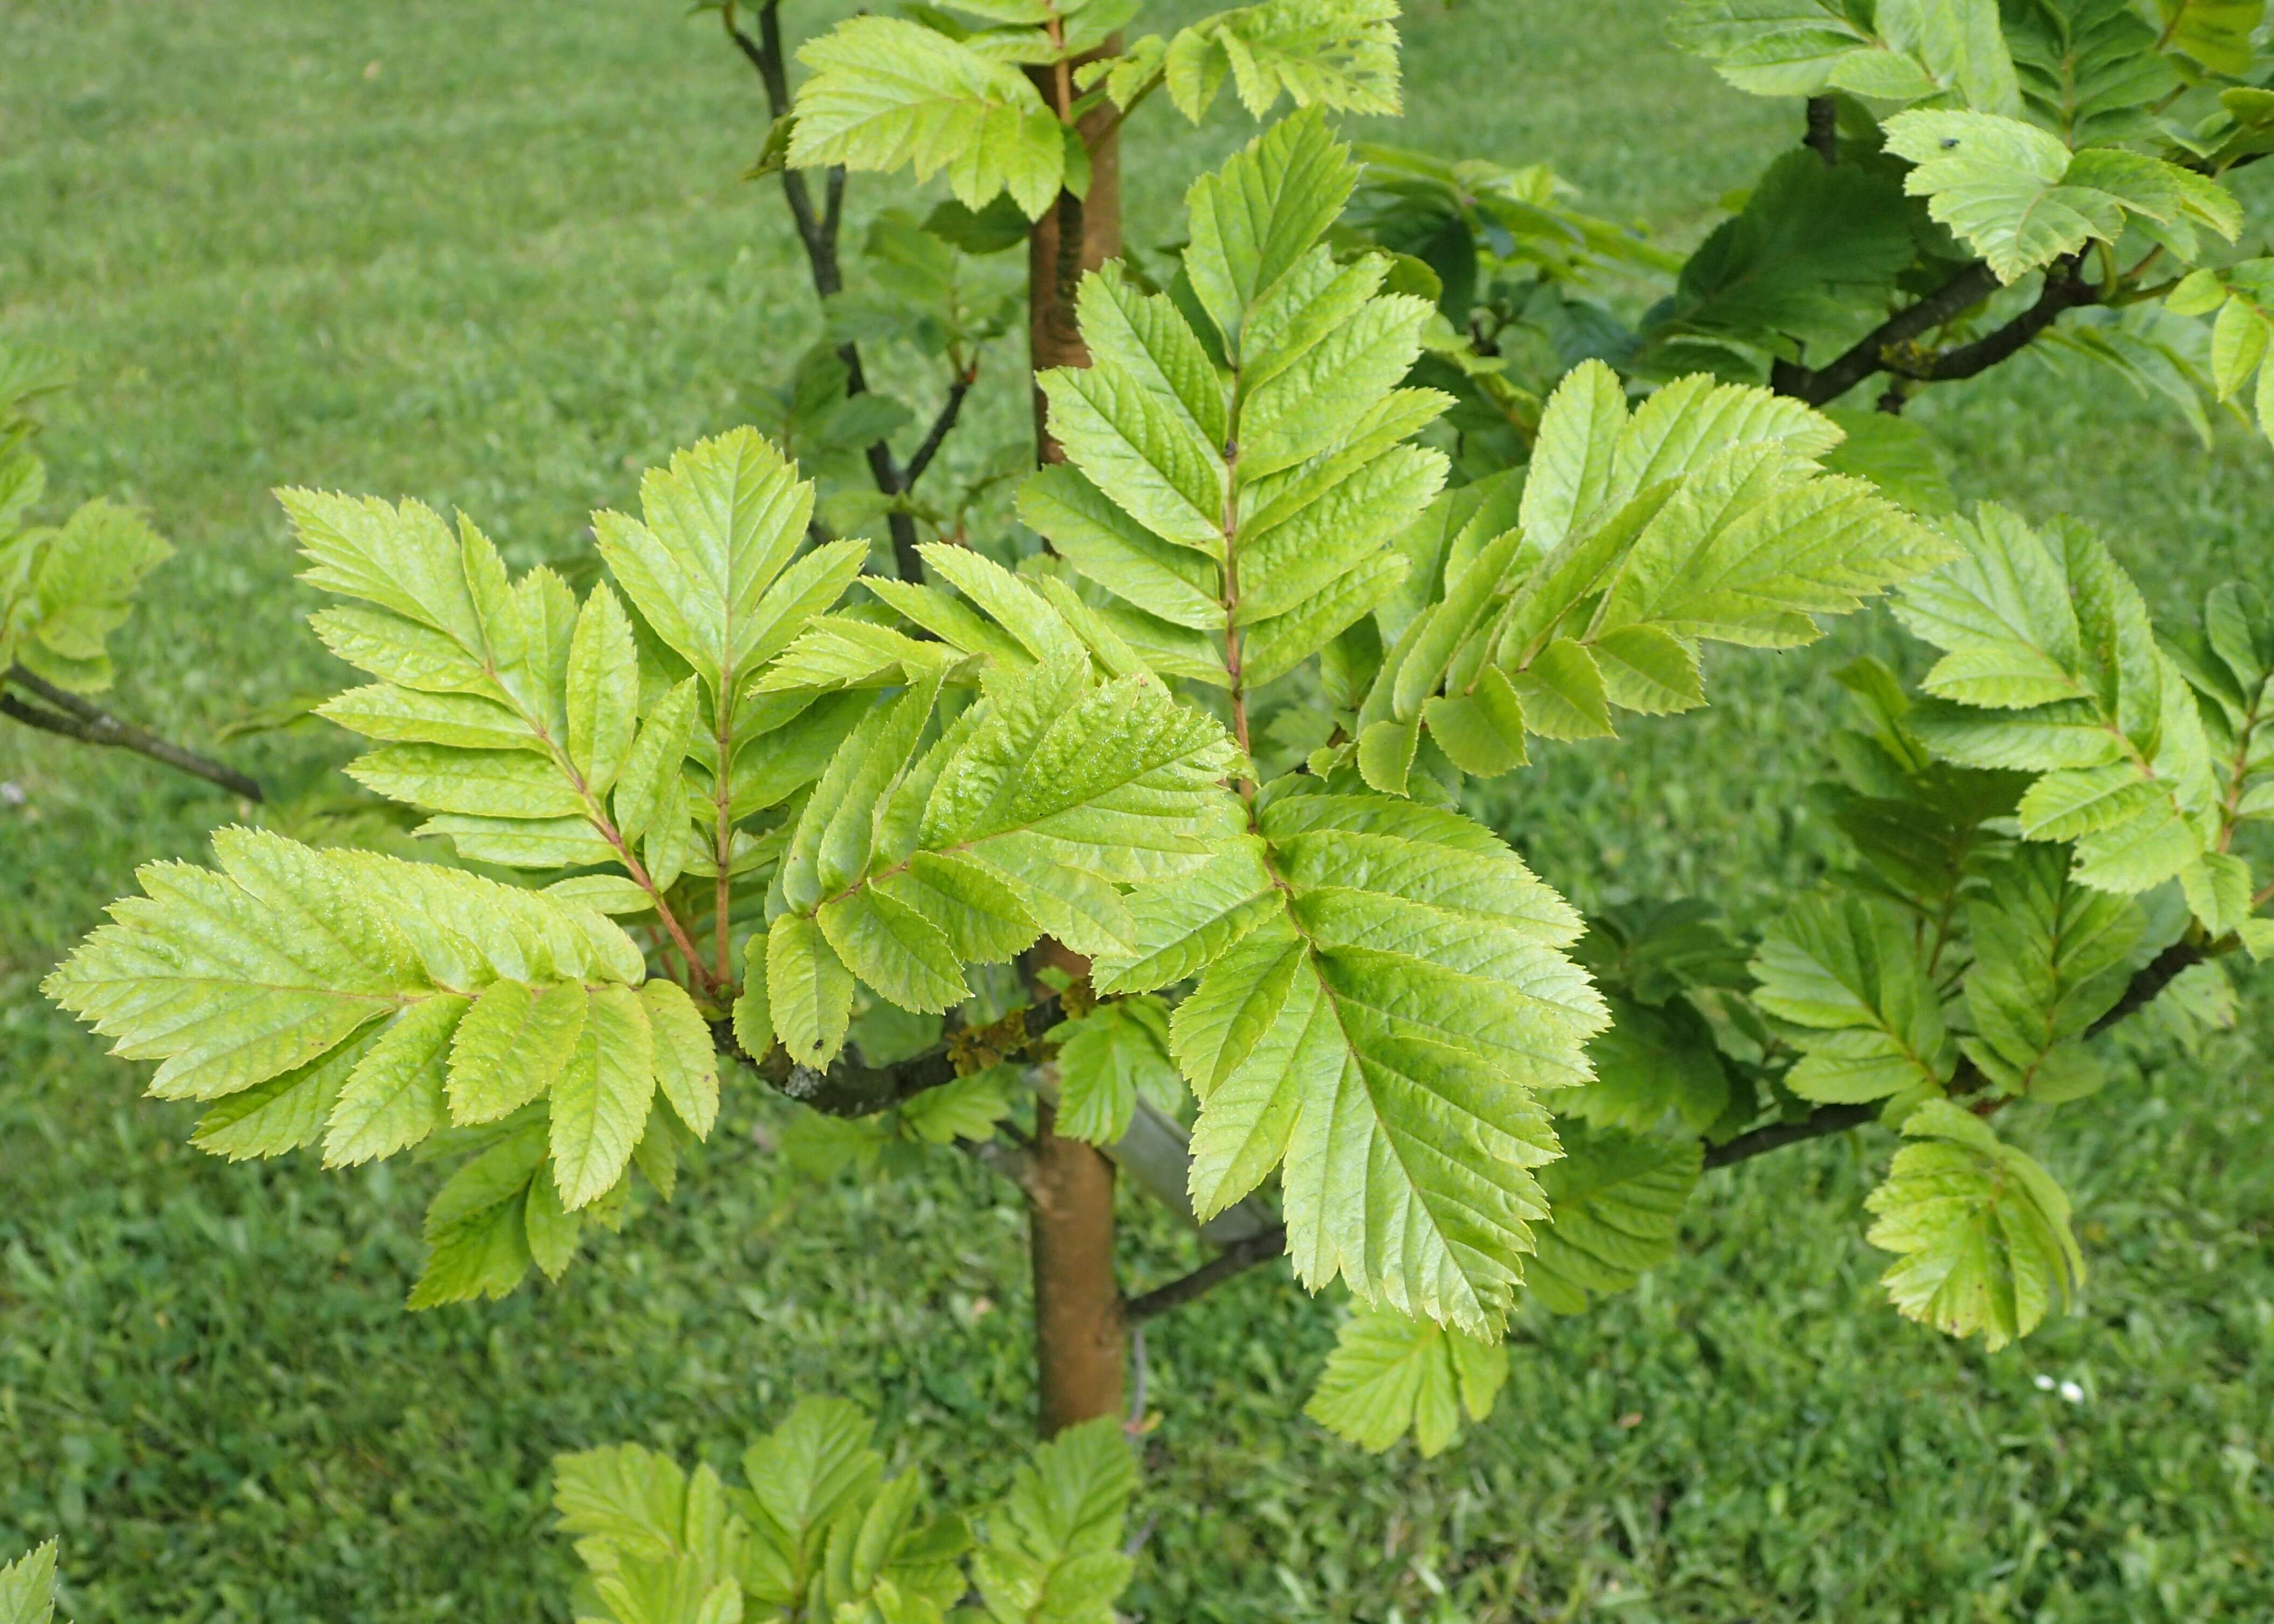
x=1982 y=1229
x=1812 y=255
x=1654 y=1060
x=894 y=948
x=808 y=991
x=652 y=768
x=283 y=1114
x=806 y=1476
x=2051 y=957
x=1107 y=1061
x=600 y=1101
x=2217 y=34
x=1615 y=1201
x=711 y=565
x=967 y=1108
x=1052 y=1551
x=1335 y=53
x=477 y=1243
x=603 y=696
x=1851 y=977
x=550 y=1228
x=2021 y=200
x=1897 y=454
x=1181 y=925
x=27 y=1586
x=1383 y=1038
x=2089 y=69
x=511 y=1046
x=2048 y=631
x=1034 y=806
x=1391 y=1374
x=1700 y=516
x=79 y=582
x=686 y=1055
x=395 y=1095
x=1900 y=50
x=886 y=92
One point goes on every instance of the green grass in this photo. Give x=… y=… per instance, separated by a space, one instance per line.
x=495 y=255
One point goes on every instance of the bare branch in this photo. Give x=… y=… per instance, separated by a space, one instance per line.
x=2157 y=973
x=1233 y=1260
x=74 y=717
x=941 y=426
x=1821 y=386
x=1829 y=1120
x=1823 y=129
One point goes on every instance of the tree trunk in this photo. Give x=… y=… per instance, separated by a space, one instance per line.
x=1078 y=1329
x=1079 y=234
x=1078 y=1333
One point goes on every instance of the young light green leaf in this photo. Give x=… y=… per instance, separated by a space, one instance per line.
x=512 y=1045
x=808 y=991
x=686 y=1055
x=1983 y=1231
x=1052 y=1551
x=396 y=1094
x=599 y=1103
x=603 y=697
x=886 y=91
x=1391 y=1374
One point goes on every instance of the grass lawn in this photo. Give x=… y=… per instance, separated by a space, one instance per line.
x=496 y=255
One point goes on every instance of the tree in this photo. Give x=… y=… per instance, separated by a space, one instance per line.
x=1139 y=849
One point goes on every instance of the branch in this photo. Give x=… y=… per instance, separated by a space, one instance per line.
x=852 y=1087
x=1823 y=136
x=1233 y=1260
x=940 y=426
x=75 y=718
x=2149 y=979
x=1831 y=1119
x=2062 y=292
x=1822 y=385
x=2152 y=977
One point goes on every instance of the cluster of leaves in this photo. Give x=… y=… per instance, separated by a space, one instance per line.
x=822 y=1535
x=1975 y=171
x=936 y=95
x=2054 y=811
x=799 y=802
x=1516 y=272
x=63 y=588
x=1217 y=741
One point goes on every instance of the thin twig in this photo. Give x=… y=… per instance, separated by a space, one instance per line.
x=75 y=718
x=1234 y=1259
x=940 y=427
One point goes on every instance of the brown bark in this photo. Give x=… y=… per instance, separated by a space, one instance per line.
x=1078 y=1330
x=1079 y=234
